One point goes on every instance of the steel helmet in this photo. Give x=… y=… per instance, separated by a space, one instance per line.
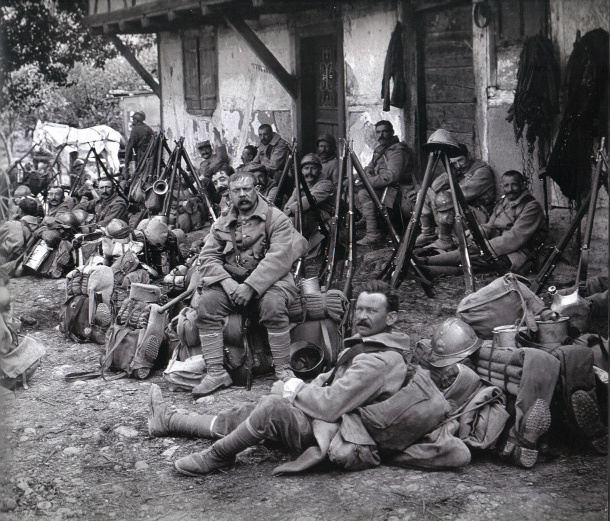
x=117 y=229
x=441 y=140
x=306 y=359
x=452 y=342
x=22 y=191
x=311 y=159
x=329 y=138
x=443 y=201
x=156 y=232
x=67 y=220
x=80 y=214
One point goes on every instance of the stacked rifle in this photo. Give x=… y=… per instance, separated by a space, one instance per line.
x=154 y=181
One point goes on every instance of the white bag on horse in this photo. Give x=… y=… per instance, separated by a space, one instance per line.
x=105 y=140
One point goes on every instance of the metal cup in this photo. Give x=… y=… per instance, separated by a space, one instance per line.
x=310 y=286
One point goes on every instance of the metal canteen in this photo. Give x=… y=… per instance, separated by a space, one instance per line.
x=504 y=336
x=553 y=330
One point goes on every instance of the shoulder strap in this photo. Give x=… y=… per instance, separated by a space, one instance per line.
x=267 y=229
x=353 y=352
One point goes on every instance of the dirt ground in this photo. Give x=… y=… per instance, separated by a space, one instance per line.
x=81 y=450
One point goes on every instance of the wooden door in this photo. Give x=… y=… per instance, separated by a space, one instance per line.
x=447 y=90
x=320 y=89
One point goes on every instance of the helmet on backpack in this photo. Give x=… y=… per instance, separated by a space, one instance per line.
x=22 y=191
x=80 y=214
x=452 y=342
x=443 y=201
x=117 y=229
x=306 y=359
x=67 y=220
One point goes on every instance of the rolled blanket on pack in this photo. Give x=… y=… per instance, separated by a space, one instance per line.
x=511 y=370
x=317 y=306
x=508 y=387
x=497 y=376
x=501 y=355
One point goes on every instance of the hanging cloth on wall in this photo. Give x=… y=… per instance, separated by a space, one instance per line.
x=586 y=115
x=536 y=101
x=393 y=69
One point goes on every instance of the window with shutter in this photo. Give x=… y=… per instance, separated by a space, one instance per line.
x=200 y=71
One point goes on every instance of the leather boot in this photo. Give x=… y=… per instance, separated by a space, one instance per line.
x=221 y=454
x=369 y=213
x=521 y=448
x=153 y=336
x=428 y=230
x=164 y=422
x=588 y=419
x=217 y=377
x=445 y=238
x=279 y=342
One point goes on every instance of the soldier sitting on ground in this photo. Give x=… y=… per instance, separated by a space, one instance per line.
x=515 y=230
x=58 y=202
x=106 y=205
x=323 y=193
x=477 y=183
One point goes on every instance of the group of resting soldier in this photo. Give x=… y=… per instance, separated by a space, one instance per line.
x=246 y=262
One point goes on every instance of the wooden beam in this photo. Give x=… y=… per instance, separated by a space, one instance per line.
x=133 y=61
x=171 y=16
x=287 y=80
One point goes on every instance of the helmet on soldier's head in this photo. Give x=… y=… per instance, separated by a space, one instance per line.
x=117 y=229
x=80 y=214
x=452 y=342
x=67 y=220
x=443 y=201
x=311 y=159
x=22 y=191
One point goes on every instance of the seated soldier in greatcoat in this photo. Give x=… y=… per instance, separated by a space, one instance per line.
x=515 y=229
x=107 y=205
x=246 y=260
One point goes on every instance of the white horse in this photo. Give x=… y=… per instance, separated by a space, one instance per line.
x=105 y=140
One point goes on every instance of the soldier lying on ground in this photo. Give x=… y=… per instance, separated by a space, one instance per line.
x=372 y=369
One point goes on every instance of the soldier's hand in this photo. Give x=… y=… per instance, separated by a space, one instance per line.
x=229 y=286
x=277 y=388
x=243 y=294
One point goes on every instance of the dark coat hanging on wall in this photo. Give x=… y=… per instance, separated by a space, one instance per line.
x=586 y=115
x=393 y=69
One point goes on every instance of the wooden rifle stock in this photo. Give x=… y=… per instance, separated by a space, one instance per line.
x=201 y=191
x=167 y=202
x=351 y=230
x=583 y=262
x=397 y=268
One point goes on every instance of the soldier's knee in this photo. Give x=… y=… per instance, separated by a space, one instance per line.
x=268 y=408
x=272 y=307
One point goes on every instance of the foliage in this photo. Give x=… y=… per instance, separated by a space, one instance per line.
x=52 y=68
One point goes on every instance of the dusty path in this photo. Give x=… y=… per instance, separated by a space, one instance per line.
x=81 y=451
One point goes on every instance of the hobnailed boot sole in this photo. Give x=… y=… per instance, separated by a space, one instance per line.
x=586 y=413
x=151 y=352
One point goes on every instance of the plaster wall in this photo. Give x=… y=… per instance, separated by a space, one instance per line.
x=366 y=35
x=249 y=95
x=566 y=18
